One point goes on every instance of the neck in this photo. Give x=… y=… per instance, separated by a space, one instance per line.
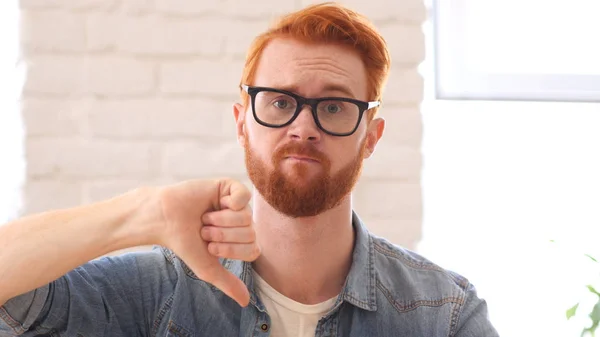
x=306 y=259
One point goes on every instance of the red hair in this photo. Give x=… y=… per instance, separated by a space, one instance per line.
x=328 y=23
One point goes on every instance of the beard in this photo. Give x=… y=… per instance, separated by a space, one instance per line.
x=299 y=193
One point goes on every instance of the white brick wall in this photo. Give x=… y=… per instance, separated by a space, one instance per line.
x=121 y=93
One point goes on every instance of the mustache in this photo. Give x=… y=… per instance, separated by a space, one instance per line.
x=299 y=149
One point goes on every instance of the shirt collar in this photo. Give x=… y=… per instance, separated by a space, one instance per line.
x=360 y=287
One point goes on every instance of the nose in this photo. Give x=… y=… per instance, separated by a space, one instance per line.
x=304 y=127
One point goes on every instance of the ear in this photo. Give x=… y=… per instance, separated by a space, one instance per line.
x=239 y=114
x=374 y=133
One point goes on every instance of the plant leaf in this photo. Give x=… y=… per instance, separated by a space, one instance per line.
x=571 y=311
x=595 y=316
x=592 y=290
x=591 y=257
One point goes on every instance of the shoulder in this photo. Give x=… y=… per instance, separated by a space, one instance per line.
x=410 y=283
x=402 y=271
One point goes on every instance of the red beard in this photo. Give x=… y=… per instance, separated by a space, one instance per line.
x=296 y=194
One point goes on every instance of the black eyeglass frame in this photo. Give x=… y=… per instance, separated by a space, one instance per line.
x=312 y=102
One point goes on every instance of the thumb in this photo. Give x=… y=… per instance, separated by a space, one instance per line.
x=231 y=286
x=208 y=269
x=234 y=195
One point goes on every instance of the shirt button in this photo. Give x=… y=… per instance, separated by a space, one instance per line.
x=264 y=327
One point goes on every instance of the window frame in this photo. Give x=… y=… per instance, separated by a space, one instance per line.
x=455 y=81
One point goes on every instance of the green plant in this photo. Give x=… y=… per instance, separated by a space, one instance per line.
x=594 y=315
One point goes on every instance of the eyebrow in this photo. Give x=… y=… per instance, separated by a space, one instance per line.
x=328 y=88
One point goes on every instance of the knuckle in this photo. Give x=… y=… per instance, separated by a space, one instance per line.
x=252 y=236
x=224 y=250
x=214 y=249
x=206 y=233
x=238 y=220
x=218 y=235
x=247 y=219
x=245 y=193
x=255 y=251
x=208 y=218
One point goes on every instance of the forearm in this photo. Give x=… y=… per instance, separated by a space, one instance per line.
x=38 y=249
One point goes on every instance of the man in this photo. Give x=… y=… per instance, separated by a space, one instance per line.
x=301 y=263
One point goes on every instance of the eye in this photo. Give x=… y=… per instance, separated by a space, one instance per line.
x=284 y=103
x=333 y=108
x=281 y=104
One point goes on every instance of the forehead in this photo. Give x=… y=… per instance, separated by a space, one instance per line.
x=312 y=69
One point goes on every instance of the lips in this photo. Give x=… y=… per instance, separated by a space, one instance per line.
x=302 y=158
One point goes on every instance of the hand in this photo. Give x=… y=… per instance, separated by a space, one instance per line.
x=207 y=219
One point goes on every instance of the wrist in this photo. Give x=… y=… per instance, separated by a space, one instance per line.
x=142 y=218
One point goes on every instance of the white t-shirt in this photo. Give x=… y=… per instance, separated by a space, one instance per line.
x=288 y=317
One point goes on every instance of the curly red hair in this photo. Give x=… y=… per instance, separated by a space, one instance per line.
x=328 y=23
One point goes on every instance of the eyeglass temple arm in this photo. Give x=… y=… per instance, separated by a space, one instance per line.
x=373 y=104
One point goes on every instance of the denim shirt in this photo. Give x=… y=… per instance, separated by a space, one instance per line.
x=389 y=291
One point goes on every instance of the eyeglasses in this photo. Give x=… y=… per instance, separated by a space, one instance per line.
x=336 y=116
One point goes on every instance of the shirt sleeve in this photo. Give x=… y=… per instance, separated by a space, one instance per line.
x=120 y=294
x=474 y=320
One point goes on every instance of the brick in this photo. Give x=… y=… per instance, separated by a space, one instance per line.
x=405 y=86
x=10 y=205
x=217 y=78
x=156 y=118
x=70 y=4
x=403 y=126
x=70 y=75
x=228 y=122
x=103 y=31
x=402 y=232
x=101 y=190
x=390 y=161
x=152 y=35
x=94 y=191
x=406 y=43
x=13 y=167
x=137 y=6
x=237 y=43
x=186 y=7
x=268 y=10
x=54 y=75
x=403 y=200
x=114 y=76
x=48 y=157
x=412 y=11
x=45 y=195
x=53 y=117
x=185 y=160
x=52 y=31
x=40 y=3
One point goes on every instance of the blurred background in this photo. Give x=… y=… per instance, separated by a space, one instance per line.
x=489 y=166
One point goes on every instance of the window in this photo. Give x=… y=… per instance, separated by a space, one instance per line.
x=11 y=131
x=518 y=50
x=502 y=177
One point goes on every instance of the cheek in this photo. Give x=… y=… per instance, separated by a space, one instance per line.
x=261 y=142
x=344 y=154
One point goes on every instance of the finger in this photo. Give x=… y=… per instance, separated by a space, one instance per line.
x=237 y=251
x=234 y=288
x=228 y=235
x=234 y=195
x=230 y=285
x=228 y=218
x=209 y=269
